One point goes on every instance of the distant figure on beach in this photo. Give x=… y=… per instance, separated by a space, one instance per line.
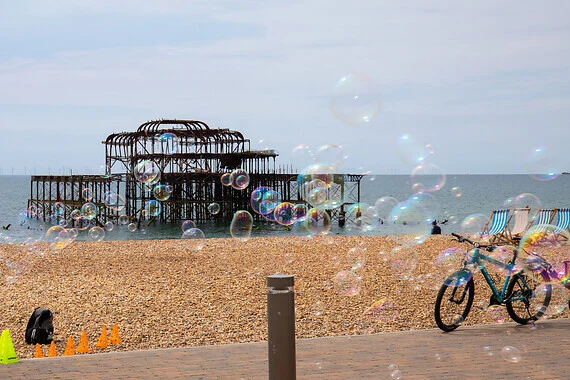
x=6 y=227
x=435 y=229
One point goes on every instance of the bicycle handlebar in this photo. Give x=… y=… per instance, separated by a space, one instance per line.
x=461 y=239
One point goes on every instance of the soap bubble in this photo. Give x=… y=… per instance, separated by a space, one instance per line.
x=195 y=238
x=114 y=201
x=356 y=258
x=403 y=261
x=472 y=226
x=365 y=216
x=75 y=214
x=504 y=254
x=146 y=171
x=109 y=226
x=411 y=151
x=161 y=192
x=384 y=310
x=497 y=313
x=239 y=179
x=302 y=156
x=96 y=233
x=456 y=192
x=428 y=203
x=285 y=214
x=226 y=179
x=169 y=143
x=82 y=223
x=414 y=222
x=89 y=210
x=58 y=208
x=241 y=225
x=511 y=354
x=329 y=155
x=214 y=208
x=356 y=99
x=427 y=177
x=317 y=222
x=384 y=206
x=187 y=224
x=153 y=208
x=527 y=200
x=449 y=260
x=123 y=220
x=87 y=194
x=540 y=165
x=347 y=283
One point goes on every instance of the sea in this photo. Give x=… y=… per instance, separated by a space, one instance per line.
x=459 y=198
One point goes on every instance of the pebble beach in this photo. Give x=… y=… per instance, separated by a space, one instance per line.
x=168 y=293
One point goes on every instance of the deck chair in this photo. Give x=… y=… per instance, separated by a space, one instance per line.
x=542 y=217
x=496 y=229
x=520 y=225
x=562 y=221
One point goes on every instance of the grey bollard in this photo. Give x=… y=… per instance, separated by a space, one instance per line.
x=281 y=327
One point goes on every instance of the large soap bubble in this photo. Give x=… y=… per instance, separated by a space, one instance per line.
x=384 y=206
x=356 y=99
x=411 y=151
x=427 y=177
x=541 y=165
x=414 y=222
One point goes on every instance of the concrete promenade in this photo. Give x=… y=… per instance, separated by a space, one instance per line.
x=542 y=352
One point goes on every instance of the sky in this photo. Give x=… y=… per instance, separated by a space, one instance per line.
x=483 y=83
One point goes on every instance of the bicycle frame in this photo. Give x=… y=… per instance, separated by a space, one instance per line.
x=477 y=258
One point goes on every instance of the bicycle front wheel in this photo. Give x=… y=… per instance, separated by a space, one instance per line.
x=526 y=303
x=453 y=304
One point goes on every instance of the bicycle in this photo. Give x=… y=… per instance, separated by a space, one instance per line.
x=455 y=297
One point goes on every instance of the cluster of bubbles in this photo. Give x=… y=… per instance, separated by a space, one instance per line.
x=238 y=179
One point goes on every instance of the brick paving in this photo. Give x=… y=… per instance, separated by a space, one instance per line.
x=469 y=352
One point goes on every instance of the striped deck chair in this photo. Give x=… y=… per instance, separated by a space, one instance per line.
x=562 y=221
x=520 y=225
x=542 y=217
x=496 y=229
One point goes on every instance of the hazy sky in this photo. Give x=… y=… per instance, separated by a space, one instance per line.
x=483 y=82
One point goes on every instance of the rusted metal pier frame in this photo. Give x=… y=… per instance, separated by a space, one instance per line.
x=192 y=167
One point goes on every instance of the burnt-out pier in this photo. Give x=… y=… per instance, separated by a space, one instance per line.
x=188 y=158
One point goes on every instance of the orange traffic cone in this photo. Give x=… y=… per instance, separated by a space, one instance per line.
x=69 y=347
x=103 y=342
x=114 y=338
x=52 y=352
x=39 y=352
x=83 y=346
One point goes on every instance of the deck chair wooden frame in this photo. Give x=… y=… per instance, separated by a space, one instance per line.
x=496 y=228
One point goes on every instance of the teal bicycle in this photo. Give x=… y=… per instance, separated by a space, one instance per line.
x=518 y=293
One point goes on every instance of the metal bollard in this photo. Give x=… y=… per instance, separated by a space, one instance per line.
x=281 y=327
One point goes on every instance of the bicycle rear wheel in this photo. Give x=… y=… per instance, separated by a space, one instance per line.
x=524 y=303
x=453 y=304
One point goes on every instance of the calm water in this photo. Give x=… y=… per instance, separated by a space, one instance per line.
x=480 y=194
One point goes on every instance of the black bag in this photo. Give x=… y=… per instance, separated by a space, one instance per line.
x=40 y=327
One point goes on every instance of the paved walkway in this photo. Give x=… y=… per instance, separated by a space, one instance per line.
x=542 y=352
